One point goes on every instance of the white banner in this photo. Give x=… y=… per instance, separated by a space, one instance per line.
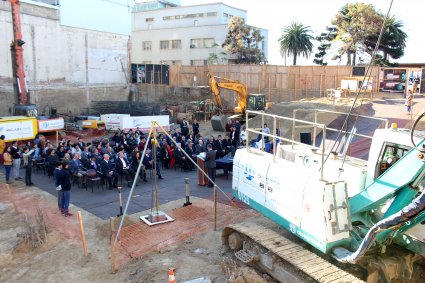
x=144 y=122
x=19 y=130
x=50 y=125
x=113 y=121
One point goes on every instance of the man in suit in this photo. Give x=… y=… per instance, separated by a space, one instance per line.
x=76 y=165
x=190 y=150
x=180 y=157
x=210 y=164
x=184 y=126
x=200 y=147
x=81 y=144
x=107 y=171
x=149 y=163
x=219 y=146
x=234 y=137
x=122 y=166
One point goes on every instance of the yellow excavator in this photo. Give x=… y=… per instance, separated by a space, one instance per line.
x=256 y=102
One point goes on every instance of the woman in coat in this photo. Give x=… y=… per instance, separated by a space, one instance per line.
x=7 y=157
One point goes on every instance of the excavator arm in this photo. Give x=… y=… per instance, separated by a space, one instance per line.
x=218 y=83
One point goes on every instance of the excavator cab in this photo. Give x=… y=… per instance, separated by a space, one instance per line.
x=256 y=102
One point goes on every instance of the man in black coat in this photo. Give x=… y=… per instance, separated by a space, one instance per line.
x=122 y=166
x=190 y=150
x=149 y=163
x=219 y=146
x=64 y=180
x=184 y=126
x=107 y=171
x=181 y=158
x=210 y=164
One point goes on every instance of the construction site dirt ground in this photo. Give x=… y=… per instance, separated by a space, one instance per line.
x=194 y=255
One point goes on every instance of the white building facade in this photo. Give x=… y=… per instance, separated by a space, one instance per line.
x=183 y=35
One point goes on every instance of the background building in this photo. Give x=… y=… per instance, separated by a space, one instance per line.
x=76 y=51
x=181 y=35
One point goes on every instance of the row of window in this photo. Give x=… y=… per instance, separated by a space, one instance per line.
x=188 y=16
x=177 y=44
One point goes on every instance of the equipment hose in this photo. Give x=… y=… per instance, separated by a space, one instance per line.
x=407 y=213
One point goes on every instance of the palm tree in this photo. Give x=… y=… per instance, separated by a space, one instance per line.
x=296 y=40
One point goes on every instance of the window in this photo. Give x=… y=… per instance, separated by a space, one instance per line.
x=147 y=45
x=170 y=44
x=187 y=16
x=202 y=42
x=149 y=19
x=209 y=42
x=176 y=44
x=164 y=44
x=390 y=154
x=195 y=43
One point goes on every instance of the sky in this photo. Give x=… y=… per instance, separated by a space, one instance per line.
x=275 y=14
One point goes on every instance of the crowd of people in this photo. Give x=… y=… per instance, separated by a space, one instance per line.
x=118 y=156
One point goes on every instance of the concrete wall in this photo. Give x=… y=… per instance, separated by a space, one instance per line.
x=65 y=67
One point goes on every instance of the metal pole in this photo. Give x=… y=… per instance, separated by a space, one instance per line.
x=274 y=139
x=215 y=208
x=134 y=184
x=323 y=152
x=120 y=197
x=246 y=130
x=186 y=181
x=262 y=130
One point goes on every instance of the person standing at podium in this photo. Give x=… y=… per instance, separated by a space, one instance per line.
x=210 y=164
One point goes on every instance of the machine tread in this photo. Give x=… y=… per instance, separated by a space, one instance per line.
x=302 y=259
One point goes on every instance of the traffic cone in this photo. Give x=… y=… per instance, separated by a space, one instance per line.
x=171 y=276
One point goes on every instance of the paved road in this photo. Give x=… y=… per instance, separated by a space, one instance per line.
x=105 y=203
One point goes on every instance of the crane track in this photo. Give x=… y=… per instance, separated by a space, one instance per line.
x=297 y=256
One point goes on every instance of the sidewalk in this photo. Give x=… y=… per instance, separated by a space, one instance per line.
x=394 y=109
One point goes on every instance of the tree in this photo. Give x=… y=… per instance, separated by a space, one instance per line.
x=242 y=42
x=355 y=23
x=296 y=40
x=393 y=41
x=325 y=40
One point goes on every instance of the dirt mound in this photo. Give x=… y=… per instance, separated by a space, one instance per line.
x=104 y=231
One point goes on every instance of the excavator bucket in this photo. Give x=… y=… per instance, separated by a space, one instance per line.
x=218 y=122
